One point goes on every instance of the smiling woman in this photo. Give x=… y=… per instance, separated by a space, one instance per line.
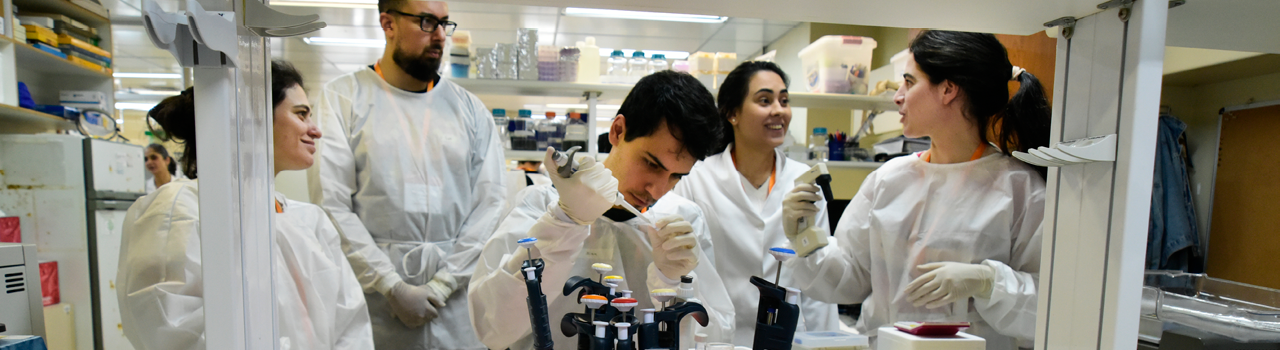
x=160 y=277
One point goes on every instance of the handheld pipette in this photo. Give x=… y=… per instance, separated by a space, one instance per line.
x=782 y=254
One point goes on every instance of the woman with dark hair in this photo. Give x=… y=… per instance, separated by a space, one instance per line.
x=953 y=233
x=160 y=165
x=744 y=186
x=318 y=298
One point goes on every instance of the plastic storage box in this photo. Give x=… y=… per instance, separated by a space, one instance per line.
x=892 y=339
x=1234 y=310
x=837 y=64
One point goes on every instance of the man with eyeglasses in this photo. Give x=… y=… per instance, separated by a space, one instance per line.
x=411 y=171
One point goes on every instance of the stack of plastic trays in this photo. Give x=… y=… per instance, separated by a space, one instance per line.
x=527 y=53
x=568 y=65
x=486 y=67
x=506 y=62
x=548 y=67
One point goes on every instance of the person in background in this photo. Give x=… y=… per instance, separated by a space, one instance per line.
x=666 y=124
x=318 y=300
x=744 y=185
x=411 y=168
x=161 y=166
x=952 y=233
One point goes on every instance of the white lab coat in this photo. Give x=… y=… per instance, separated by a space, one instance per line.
x=318 y=300
x=910 y=212
x=743 y=232
x=399 y=169
x=498 y=306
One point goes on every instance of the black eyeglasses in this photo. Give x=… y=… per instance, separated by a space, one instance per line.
x=428 y=23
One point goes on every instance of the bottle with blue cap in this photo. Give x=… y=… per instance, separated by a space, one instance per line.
x=658 y=63
x=501 y=122
x=818 y=145
x=638 y=66
x=617 y=67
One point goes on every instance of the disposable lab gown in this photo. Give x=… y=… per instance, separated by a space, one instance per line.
x=910 y=212
x=400 y=169
x=498 y=292
x=319 y=304
x=744 y=223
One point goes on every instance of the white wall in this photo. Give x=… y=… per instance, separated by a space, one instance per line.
x=293 y=184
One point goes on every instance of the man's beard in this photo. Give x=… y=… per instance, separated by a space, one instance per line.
x=422 y=67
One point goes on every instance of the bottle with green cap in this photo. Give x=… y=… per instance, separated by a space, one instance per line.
x=658 y=63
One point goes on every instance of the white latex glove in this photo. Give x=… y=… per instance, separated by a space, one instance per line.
x=673 y=244
x=797 y=204
x=945 y=282
x=588 y=193
x=413 y=305
x=442 y=286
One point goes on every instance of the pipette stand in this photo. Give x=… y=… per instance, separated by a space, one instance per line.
x=669 y=338
x=538 y=312
x=776 y=330
x=580 y=324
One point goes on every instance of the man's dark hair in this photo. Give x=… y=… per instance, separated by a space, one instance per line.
x=682 y=102
x=387 y=5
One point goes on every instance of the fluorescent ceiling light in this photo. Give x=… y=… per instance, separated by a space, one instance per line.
x=147 y=75
x=351 y=42
x=671 y=55
x=581 y=106
x=135 y=105
x=349 y=4
x=651 y=16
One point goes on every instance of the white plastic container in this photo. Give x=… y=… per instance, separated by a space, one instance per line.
x=890 y=338
x=899 y=62
x=589 y=62
x=837 y=64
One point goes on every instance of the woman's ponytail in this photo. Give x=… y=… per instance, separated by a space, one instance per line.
x=1026 y=120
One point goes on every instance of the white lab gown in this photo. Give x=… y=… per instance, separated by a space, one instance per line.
x=910 y=212
x=743 y=232
x=399 y=169
x=319 y=303
x=498 y=306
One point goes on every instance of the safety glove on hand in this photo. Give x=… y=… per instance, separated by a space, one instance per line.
x=413 y=305
x=799 y=203
x=588 y=193
x=944 y=283
x=673 y=244
x=442 y=286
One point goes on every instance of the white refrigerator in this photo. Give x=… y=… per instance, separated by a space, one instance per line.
x=72 y=193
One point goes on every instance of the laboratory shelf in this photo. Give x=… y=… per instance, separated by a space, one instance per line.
x=29 y=57
x=85 y=11
x=11 y=115
x=541 y=88
x=525 y=155
x=844 y=164
x=843 y=101
x=620 y=91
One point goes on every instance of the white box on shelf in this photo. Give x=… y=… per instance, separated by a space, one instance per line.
x=837 y=64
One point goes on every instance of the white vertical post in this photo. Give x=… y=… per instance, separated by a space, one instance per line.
x=235 y=172
x=1095 y=228
x=592 y=98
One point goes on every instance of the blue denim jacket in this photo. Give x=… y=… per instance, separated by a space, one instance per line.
x=1172 y=239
